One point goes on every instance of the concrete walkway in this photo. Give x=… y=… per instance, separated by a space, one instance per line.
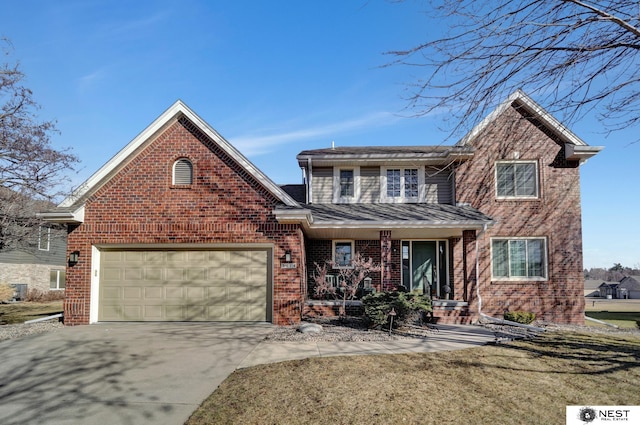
x=443 y=338
x=155 y=373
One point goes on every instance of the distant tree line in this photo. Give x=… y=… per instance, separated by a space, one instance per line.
x=612 y=274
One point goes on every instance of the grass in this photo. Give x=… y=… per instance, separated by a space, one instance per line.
x=526 y=382
x=22 y=311
x=624 y=313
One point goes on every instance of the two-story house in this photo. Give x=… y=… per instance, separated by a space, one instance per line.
x=179 y=225
x=32 y=252
x=489 y=225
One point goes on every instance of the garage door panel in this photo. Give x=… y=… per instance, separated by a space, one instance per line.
x=239 y=275
x=134 y=257
x=133 y=273
x=111 y=273
x=196 y=257
x=198 y=285
x=132 y=312
x=108 y=293
x=217 y=273
x=196 y=294
x=174 y=312
x=196 y=313
x=153 y=312
x=132 y=293
x=175 y=274
x=153 y=273
x=154 y=258
x=153 y=292
x=196 y=274
x=173 y=293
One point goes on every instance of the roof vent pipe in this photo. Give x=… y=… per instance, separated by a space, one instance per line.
x=333 y=145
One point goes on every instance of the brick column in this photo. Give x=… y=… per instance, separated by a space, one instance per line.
x=385 y=258
x=469 y=264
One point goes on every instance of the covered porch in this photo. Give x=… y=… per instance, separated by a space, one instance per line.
x=428 y=248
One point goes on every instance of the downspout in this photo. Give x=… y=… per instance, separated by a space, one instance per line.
x=309 y=190
x=485 y=316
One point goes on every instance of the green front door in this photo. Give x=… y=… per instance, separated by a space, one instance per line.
x=424 y=266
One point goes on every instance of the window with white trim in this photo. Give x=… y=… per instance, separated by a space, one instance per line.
x=402 y=184
x=182 y=172
x=44 y=238
x=342 y=254
x=346 y=185
x=519 y=258
x=517 y=179
x=57 y=279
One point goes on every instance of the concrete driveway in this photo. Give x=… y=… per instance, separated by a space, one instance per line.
x=143 y=373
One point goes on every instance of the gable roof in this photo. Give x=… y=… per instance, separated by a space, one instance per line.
x=575 y=148
x=630 y=282
x=72 y=208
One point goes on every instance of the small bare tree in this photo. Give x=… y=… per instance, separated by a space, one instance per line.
x=574 y=56
x=349 y=279
x=31 y=170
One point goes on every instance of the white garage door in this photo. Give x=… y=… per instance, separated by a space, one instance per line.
x=193 y=285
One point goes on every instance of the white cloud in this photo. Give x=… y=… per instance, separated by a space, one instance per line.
x=259 y=144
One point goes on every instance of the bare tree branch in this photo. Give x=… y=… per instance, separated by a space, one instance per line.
x=574 y=56
x=31 y=170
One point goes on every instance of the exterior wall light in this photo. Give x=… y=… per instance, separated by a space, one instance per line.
x=73 y=258
x=287 y=256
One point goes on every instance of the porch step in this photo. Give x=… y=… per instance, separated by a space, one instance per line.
x=451 y=312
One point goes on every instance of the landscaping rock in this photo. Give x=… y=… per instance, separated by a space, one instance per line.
x=310 y=328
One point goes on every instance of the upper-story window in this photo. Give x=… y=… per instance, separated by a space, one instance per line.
x=402 y=184
x=44 y=238
x=182 y=172
x=517 y=179
x=346 y=186
x=346 y=183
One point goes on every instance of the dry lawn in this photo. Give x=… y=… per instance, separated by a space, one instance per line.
x=22 y=311
x=528 y=382
x=624 y=313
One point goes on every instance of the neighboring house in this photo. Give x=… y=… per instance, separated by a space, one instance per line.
x=629 y=288
x=608 y=290
x=179 y=225
x=41 y=266
x=592 y=288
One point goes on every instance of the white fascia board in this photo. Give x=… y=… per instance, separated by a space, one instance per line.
x=538 y=111
x=580 y=153
x=174 y=111
x=399 y=225
x=293 y=216
x=76 y=216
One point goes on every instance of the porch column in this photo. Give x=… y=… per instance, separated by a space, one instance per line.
x=469 y=264
x=385 y=258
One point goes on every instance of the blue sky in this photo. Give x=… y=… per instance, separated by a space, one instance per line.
x=274 y=78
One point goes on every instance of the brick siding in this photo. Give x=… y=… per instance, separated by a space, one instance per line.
x=225 y=204
x=555 y=215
